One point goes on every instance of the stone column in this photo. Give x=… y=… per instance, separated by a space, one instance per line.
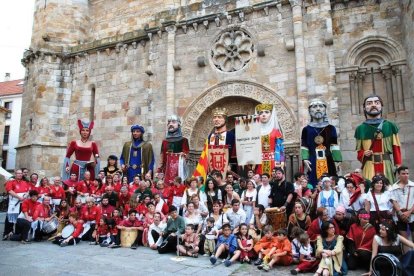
x=387 y=73
x=170 y=80
x=353 y=91
x=300 y=61
x=397 y=78
x=361 y=77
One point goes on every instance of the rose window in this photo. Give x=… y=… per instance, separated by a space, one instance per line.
x=232 y=50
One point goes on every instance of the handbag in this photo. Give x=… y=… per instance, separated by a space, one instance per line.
x=382 y=216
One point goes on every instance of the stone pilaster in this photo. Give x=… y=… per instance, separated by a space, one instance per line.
x=170 y=79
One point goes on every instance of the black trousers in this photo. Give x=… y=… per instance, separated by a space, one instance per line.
x=23 y=227
x=138 y=240
x=169 y=245
x=362 y=261
x=88 y=235
x=8 y=226
x=59 y=240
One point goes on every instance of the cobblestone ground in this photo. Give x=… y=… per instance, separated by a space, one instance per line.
x=45 y=258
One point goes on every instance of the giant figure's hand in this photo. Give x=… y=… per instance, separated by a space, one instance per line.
x=338 y=166
x=307 y=164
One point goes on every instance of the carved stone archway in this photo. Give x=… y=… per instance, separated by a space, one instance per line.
x=239 y=97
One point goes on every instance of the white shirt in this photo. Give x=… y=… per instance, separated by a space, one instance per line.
x=404 y=196
x=157 y=229
x=235 y=219
x=383 y=201
x=263 y=195
x=357 y=205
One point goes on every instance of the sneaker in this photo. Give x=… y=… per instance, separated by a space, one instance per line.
x=206 y=255
x=93 y=243
x=260 y=267
x=227 y=263
x=104 y=244
x=114 y=246
x=63 y=244
x=294 y=272
x=266 y=268
x=258 y=262
x=213 y=260
x=134 y=246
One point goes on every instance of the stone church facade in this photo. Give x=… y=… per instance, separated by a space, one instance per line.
x=127 y=62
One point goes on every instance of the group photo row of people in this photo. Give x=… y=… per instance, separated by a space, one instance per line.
x=230 y=208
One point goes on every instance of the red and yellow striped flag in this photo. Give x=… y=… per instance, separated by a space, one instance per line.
x=202 y=166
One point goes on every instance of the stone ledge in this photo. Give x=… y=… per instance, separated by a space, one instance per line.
x=52 y=145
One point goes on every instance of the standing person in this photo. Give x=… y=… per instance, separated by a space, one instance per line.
x=213 y=193
x=137 y=157
x=175 y=226
x=84 y=150
x=69 y=186
x=272 y=139
x=281 y=194
x=248 y=199
x=376 y=140
x=319 y=144
x=112 y=166
x=220 y=143
x=174 y=143
x=17 y=189
x=263 y=191
x=378 y=202
x=402 y=196
x=328 y=198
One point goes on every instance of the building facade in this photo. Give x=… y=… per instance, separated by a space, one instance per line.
x=11 y=99
x=127 y=62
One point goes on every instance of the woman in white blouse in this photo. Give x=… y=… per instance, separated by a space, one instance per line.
x=378 y=201
x=248 y=199
x=192 y=216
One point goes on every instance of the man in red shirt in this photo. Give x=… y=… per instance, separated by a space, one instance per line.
x=16 y=188
x=69 y=185
x=91 y=214
x=24 y=221
x=117 y=182
x=42 y=214
x=134 y=185
x=124 y=197
x=132 y=223
x=33 y=181
x=77 y=208
x=106 y=208
x=177 y=192
x=56 y=191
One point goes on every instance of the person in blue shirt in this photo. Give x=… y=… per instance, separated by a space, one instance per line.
x=226 y=247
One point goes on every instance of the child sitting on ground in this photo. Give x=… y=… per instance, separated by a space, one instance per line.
x=226 y=247
x=295 y=234
x=189 y=244
x=100 y=234
x=245 y=242
x=210 y=233
x=306 y=261
x=281 y=252
x=264 y=245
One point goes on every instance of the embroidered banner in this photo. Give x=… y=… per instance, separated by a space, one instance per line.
x=171 y=167
x=248 y=140
x=218 y=159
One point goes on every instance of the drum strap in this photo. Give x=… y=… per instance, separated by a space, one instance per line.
x=376 y=205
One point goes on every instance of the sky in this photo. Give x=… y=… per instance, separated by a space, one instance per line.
x=16 y=22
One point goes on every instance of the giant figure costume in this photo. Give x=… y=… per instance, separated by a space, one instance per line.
x=137 y=157
x=84 y=152
x=173 y=149
x=319 y=144
x=376 y=140
x=272 y=139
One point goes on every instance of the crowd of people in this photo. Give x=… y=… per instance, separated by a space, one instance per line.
x=341 y=224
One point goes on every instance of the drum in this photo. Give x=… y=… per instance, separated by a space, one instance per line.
x=50 y=226
x=277 y=218
x=67 y=231
x=386 y=264
x=128 y=236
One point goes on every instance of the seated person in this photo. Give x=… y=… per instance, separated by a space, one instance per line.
x=281 y=253
x=388 y=241
x=235 y=215
x=175 y=225
x=101 y=233
x=245 y=242
x=265 y=244
x=132 y=223
x=76 y=236
x=155 y=230
x=306 y=261
x=41 y=215
x=226 y=247
x=24 y=220
x=189 y=242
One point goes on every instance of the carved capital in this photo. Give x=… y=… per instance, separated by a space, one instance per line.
x=295 y=3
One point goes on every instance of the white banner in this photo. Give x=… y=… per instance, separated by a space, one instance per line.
x=248 y=140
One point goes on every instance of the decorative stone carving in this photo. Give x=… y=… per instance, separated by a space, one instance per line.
x=232 y=50
x=197 y=119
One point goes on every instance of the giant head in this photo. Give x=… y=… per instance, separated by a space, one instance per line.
x=317 y=110
x=265 y=112
x=219 y=117
x=373 y=106
x=137 y=132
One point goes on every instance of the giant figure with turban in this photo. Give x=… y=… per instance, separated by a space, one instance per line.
x=137 y=157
